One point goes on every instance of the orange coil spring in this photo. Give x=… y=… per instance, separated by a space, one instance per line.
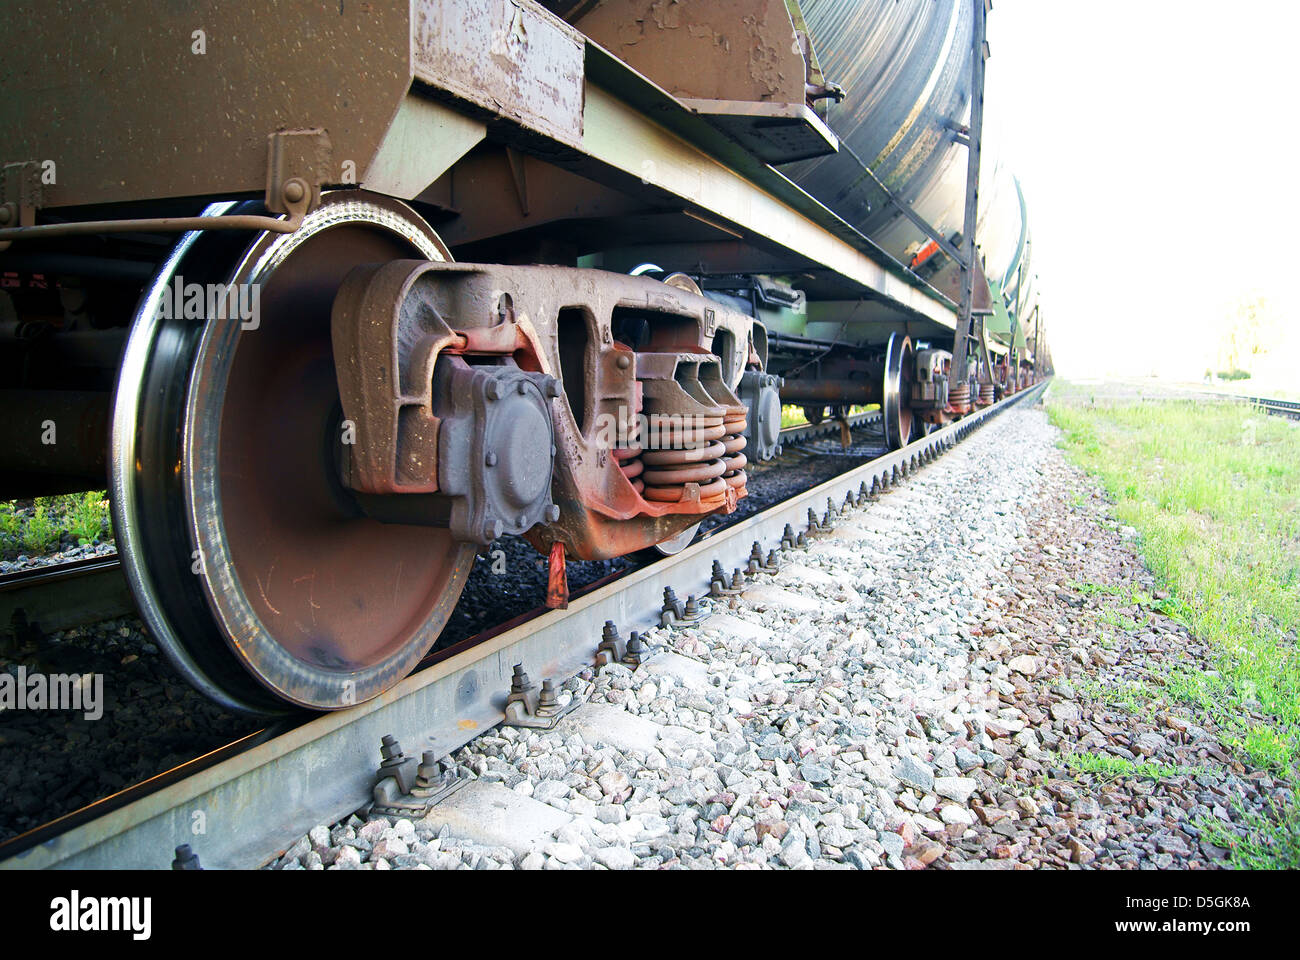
x=629 y=458
x=685 y=454
x=734 y=442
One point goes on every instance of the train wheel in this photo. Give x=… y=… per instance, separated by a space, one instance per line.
x=675 y=545
x=254 y=568
x=899 y=370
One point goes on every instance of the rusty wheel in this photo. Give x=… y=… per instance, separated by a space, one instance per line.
x=269 y=585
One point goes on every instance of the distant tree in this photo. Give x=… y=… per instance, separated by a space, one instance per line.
x=1253 y=330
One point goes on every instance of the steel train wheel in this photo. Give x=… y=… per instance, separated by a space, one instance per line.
x=259 y=576
x=899 y=371
x=676 y=544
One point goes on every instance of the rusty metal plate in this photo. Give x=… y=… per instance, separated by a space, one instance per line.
x=509 y=57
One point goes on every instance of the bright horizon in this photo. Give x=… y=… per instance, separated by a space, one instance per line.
x=1155 y=146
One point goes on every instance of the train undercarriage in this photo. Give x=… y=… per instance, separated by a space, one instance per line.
x=314 y=404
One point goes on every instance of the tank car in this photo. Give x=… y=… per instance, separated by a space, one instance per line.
x=335 y=295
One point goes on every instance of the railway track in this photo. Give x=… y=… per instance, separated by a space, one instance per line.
x=1282 y=408
x=63 y=595
x=250 y=805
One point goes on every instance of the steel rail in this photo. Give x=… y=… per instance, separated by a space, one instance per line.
x=61 y=596
x=252 y=804
x=799 y=432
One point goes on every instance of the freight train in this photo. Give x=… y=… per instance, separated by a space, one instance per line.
x=334 y=294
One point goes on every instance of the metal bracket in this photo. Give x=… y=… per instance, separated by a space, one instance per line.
x=612 y=650
x=674 y=613
x=637 y=652
x=304 y=155
x=526 y=706
x=720 y=586
x=404 y=790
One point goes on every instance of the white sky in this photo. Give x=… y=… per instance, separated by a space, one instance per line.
x=1155 y=141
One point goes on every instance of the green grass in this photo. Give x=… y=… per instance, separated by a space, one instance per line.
x=1108 y=766
x=38 y=526
x=1272 y=838
x=1135 y=696
x=1213 y=491
x=88 y=518
x=41 y=533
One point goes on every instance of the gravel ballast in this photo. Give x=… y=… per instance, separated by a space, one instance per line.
x=901 y=694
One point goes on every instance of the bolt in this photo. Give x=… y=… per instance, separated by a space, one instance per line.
x=493 y=529
x=609 y=633
x=389 y=748
x=430 y=771
x=547 y=698
x=772 y=560
x=294 y=190
x=553 y=513
x=812 y=519
x=491 y=458
x=522 y=521
x=552 y=388
x=671 y=603
x=521 y=387
x=493 y=390
x=186 y=859
x=692 y=608
x=623 y=361
x=801 y=541
x=737 y=579
x=634 y=647
x=718 y=573
x=519 y=681
x=756 y=550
